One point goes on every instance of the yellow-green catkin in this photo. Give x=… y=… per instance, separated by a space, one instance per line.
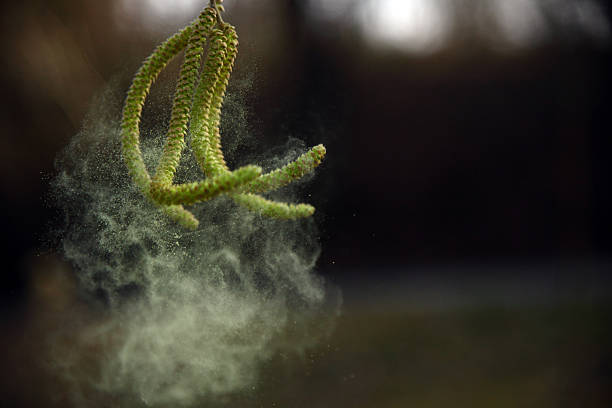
x=146 y=75
x=277 y=179
x=130 y=132
x=273 y=209
x=181 y=107
x=271 y=181
x=191 y=193
x=293 y=171
x=197 y=104
x=203 y=102
x=214 y=154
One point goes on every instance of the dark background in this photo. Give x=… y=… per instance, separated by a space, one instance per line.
x=474 y=173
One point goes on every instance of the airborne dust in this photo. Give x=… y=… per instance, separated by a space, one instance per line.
x=184 y=316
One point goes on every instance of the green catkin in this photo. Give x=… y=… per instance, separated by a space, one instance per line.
x=130 y=132
x=273 y=209
x=182 y=101
x=162 y=190
x=293 y=171
x=181 y=216
x=200 y=109
x=214 y=154
x=146 y=75
x=191 y=193
x=272 y=181
x=277 y=179
x=203 y=100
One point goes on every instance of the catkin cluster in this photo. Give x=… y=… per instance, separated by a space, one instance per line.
x=197 y=108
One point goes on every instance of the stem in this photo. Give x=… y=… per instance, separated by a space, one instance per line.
x=216 y=4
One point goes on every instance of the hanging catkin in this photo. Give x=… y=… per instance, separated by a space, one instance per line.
x=198 y=100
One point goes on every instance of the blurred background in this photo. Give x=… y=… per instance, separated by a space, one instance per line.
x=463 y=208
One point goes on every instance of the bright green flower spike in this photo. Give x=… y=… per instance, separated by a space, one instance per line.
x=191 y=193
x=197 y=102
x=130 y=133
x=273 y=209
x=289 y=173
x=214 y=154
x=181 y=109
x=181 y=216
x=203 y=123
